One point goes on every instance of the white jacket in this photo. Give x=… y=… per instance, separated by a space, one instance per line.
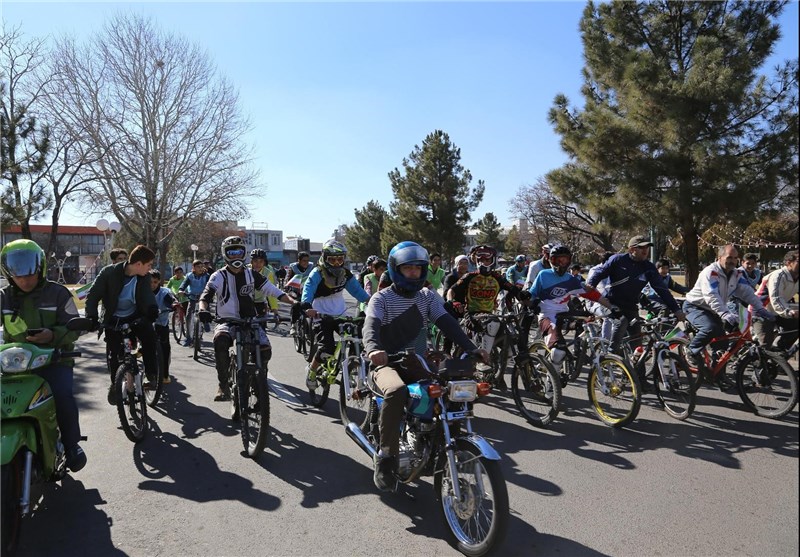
x=714 y=288
x=777 y=290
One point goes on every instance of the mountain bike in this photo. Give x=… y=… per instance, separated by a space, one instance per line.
x=345 y=356
x=248 y=382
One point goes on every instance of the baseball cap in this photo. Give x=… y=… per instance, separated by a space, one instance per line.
x=639 y=242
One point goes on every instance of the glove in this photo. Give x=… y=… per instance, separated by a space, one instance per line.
x=730 y=318
x=765 y=314
x=524 y=295
x=616 y=313
x=204 y=316
x=152 y=313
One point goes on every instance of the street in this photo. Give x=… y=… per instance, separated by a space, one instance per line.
x=724 y=482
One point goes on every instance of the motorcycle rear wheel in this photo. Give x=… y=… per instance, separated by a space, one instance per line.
x=479 y=520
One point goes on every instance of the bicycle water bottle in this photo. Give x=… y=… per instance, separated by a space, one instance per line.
x=637 y=353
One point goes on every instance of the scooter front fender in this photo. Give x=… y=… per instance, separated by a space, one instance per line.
x=15 y=435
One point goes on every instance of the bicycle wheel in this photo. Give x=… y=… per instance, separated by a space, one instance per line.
x=615 y=393
x=178 y=325
x=767 y=384
x=679 y=395
x=319 y=396
x=298 y=337
x=478 y=520
x=253 y=409
x=196 y=339
x=536 y=389
x=680 y=346
x=154 y=385
x=308 y=334
x=354 y=408
x=131 y=406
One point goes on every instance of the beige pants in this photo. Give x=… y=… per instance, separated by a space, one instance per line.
x=392 y=381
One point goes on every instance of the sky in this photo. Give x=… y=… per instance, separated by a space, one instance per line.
x=339 y=93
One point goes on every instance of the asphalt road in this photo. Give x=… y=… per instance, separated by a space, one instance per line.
x=723 y=483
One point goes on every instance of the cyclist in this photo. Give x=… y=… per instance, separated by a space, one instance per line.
x=192 y=287
x=554 y=288
x=301 y=268
x=650 y=299
x=366 y=269
x=575 y=271
x=435 y=271
x=477 y=291
x=174 y=285
x=752 y=274
x=323 y=294
x=628 y=273
x=30 y=301
x=395 y=317
x=538 y=266
x=776 y=292
x=280 y=275
x=164 y=301
x=124 y=288
x=234 y=286
x=706 y=304
x=118 y=255
x=460 y=268
x=372 y=280
x=258 y=263
x=518 y=271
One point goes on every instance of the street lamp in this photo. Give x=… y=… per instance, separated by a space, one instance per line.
x=104 y=226
x=60 y=263
x=194 y=249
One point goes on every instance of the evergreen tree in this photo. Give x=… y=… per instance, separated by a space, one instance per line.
x=490 y=232
x=513 y=243
x=677 y=126
x=363 y=238
x=432 y=198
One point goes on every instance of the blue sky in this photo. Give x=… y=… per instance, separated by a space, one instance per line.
x=339 y=93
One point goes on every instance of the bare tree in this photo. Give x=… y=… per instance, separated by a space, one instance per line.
x=24 y=139
x=163 y=128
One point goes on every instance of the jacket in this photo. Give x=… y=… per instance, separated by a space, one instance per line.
x=714 y=288
x=777 y=291
x=107 y=288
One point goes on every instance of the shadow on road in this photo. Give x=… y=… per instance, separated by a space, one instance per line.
x=70 y=514
x=176 y=405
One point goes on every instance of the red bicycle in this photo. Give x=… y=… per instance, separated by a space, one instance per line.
x=178 y=321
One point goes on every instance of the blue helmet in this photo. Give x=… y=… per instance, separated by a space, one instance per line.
x=408 y=253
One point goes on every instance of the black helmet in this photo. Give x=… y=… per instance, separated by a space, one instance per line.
x=258 y=253
x=484 y=252
x=233 y=251
x=560 y=258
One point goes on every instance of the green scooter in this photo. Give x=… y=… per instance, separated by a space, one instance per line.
x=31 y=453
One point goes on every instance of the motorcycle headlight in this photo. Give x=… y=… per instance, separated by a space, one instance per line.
x=15 y=360
x=462 y=391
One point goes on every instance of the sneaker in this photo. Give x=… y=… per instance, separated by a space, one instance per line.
x=311 y=378
x=695 y=360
x=187 y=342
x=112 y=395
x=384 y=476
x=222 y=394
x=167 y=380
x=76 y=458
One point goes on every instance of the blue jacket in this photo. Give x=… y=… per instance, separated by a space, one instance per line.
x=628 y=278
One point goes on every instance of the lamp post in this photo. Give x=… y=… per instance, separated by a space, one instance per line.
x=104 y=226
x=60 y=263
x=194 y=249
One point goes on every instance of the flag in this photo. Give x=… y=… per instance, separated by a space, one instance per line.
x=83 y=291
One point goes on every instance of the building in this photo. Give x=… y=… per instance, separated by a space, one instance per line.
x=271 y=241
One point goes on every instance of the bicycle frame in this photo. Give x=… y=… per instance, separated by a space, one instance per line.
x=333 y=365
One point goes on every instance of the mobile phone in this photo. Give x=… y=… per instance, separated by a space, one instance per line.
x=33 y=332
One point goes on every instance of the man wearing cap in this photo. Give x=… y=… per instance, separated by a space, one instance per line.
x=628 y=274
x=537 y=266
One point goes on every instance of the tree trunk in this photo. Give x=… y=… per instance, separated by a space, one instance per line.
x=690 y=243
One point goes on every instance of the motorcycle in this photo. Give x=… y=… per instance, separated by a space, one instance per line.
x=32 y=453
x=437 y=438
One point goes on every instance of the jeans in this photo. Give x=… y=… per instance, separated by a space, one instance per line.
x=59 y=377
x=145 y=335
x=162 y=336
x=619 y=329
x=707 y=323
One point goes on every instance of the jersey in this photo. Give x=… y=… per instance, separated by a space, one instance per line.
x=235 y=292
x=479 y=292
x=554 y=292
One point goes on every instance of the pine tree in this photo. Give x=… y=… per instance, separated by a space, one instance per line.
x=490 y=232
x=363 y=238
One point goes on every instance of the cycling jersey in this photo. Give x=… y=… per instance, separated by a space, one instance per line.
x=515 y=275
x=554 y=292
x=194 y=284
x=235 y=292
x=325 y=294
x=479 y=291
x=296 y=271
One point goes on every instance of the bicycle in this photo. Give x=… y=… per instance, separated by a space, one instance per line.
x=534 y=383
x=764 y=380
x=178 y=322
x=613 y=389
x=197 y=328
x=132 y=398
x=248 y=382
x=347 y=346
x=674 y=384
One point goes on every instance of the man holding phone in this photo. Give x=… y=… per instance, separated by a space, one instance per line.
x=36 y=310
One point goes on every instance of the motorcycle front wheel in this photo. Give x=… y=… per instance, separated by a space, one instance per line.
x=11 y=511
x=478 y=520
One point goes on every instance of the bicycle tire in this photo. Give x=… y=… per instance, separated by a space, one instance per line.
x=770 y=393
x=679 y=397
x=253 y=409
x=153 y=394
x=311 y=345
x=297 y=337
x=196 y=340
x=536 y=388
x=356 y=409
x=319 y=396
x=621 y=405
x=131 y=407
x=178 y=325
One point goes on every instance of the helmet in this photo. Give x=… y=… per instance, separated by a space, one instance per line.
x=485 y=253
x=258 y=253
x=560 y=258
x=333 y=247
x=233 y=250
x=21 y=258
x=520 y=258
x=546 y=250
x=408 y=253
x=371 y=259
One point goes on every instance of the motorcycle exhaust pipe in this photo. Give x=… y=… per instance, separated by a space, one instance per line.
x=355 y=433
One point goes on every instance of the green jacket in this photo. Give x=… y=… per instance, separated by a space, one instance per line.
x=435 y=277
x=107 y=288
x=48 y=306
